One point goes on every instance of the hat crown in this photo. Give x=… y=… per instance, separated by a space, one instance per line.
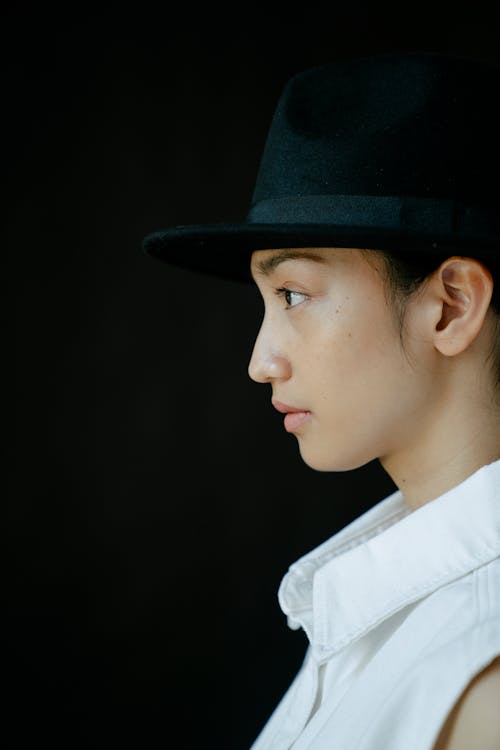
x=392 y=125
x=396 y=152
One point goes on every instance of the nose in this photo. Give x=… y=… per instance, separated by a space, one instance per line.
x=267 y=364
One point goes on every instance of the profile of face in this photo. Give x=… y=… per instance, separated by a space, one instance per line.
x=330 y=349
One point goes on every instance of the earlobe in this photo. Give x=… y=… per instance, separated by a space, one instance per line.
x=464 y=287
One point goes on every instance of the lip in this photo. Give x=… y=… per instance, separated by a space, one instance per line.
x=285 y=408
x=294 y=418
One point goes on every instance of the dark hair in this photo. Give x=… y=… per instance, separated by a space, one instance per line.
x=406 y=272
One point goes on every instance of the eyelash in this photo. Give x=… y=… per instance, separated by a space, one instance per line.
x=283 y=291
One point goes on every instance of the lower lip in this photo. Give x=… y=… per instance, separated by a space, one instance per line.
x=294 y=420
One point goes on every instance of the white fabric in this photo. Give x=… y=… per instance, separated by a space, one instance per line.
x=402 y=610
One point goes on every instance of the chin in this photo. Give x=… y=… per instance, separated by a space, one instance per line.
x=335 y=460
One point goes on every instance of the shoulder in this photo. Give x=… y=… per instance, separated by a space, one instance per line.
x=474 y=720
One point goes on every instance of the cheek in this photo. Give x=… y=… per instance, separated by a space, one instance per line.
x=358 y=354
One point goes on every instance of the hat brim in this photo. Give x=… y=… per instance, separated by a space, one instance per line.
x=225 y=250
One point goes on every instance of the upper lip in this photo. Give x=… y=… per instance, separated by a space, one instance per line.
x=284 y=408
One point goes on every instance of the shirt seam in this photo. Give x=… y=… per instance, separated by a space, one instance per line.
x=278 y=734
x=297 y=569
x=368 y=533
x=411 y=596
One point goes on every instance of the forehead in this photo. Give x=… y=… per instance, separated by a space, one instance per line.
x=265 y=262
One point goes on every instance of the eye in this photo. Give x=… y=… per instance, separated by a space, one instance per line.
x=291 y=298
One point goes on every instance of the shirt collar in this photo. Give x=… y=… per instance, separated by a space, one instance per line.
x=390 y=557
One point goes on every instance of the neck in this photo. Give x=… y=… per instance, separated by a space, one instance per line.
x=445 y=453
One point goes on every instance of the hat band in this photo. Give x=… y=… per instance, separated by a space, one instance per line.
x=437 y=215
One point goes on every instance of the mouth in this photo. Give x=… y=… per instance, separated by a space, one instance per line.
x=294 y=417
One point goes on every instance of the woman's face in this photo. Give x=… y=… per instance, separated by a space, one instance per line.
x=329 y=347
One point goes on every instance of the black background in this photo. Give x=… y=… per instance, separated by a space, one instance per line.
x=155 y=500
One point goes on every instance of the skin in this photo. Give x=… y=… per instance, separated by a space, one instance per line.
x=474 y=721
x=330 y=345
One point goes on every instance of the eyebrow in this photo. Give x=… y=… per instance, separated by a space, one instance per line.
x=268 y=265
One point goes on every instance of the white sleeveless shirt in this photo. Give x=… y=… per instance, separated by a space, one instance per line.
x=402 y=610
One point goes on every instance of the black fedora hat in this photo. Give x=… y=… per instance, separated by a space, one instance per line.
x=398 y=152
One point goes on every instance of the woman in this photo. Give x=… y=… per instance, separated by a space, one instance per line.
x=373 y=238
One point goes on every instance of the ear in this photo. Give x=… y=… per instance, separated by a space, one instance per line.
x=461 y=289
